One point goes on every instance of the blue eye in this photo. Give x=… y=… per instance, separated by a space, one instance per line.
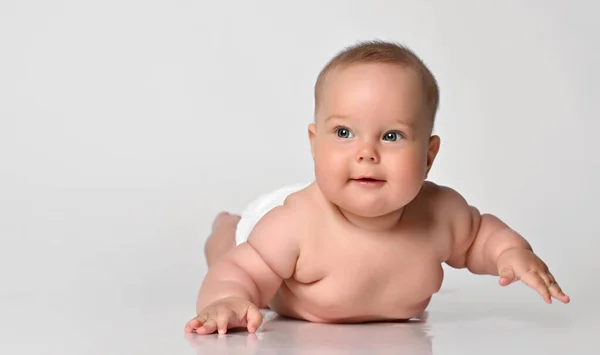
x=392 y=136
x=343 y=132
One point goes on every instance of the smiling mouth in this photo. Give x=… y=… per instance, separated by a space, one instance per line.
x=368 y=180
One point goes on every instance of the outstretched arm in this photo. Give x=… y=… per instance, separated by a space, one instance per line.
x=484 y=244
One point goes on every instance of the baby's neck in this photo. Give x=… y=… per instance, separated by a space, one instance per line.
x=374 y=224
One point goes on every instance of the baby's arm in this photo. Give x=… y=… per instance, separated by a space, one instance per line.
x=249 y=275
x=477 y=239
x=484 y=244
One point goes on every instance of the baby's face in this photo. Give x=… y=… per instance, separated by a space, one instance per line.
x=371 y=140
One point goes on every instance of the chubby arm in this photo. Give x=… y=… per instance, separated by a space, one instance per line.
x=484 y=244
x=255 y=269
x=478 y=240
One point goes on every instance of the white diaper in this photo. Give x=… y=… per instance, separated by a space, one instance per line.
x=260 y=206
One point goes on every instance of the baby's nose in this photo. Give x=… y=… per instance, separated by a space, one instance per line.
x=368 y=153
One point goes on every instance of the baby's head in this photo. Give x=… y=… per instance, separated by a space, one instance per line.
x=372 y=143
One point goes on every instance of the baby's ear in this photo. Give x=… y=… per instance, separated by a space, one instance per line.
x=312 y=132
x=432 y=151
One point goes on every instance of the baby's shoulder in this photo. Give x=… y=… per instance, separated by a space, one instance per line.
x=441 y=200
x=282 y=220
x=293 y=211
x=303 y=204
x=446 y=210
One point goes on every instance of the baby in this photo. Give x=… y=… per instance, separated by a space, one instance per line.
x=365 y=241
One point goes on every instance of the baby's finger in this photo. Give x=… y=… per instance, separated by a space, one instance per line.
x=254 y=318
x=196 y=322
x=535 y=281
x=192 y=325
x=223 y=320
x=208 y=327
x=507 y=276
x=556 y=291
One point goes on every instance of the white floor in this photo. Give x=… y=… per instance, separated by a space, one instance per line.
x=487 y=321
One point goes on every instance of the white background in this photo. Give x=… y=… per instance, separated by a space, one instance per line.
x=126 y=126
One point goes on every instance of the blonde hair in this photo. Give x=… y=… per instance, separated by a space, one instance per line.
x=385 y=53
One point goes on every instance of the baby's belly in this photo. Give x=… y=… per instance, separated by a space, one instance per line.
x=328 y=301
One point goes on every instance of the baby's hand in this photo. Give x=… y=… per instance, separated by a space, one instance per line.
x=522 y=264
x=227 y=313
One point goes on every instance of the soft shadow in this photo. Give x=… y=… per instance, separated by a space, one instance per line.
x=291 y=336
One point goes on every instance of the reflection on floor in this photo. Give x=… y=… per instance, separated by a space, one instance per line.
x=453 y=326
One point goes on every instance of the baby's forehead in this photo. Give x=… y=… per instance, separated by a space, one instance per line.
x=391 y=90
x=390 y=82
x=372 y=72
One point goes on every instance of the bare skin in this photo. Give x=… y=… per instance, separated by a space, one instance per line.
x=366 y=241
x=222 y=238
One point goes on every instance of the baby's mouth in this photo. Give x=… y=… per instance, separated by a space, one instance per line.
x=368 y=181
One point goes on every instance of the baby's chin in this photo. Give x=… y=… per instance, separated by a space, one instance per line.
x=368 y=209
x=361 y=211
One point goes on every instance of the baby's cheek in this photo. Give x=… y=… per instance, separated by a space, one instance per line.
x=409 y=175
x=327 y=169
x=330 y=161
x=331 y=172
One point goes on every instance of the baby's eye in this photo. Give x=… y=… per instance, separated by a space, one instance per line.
x=343 y=132
x=392 y=136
